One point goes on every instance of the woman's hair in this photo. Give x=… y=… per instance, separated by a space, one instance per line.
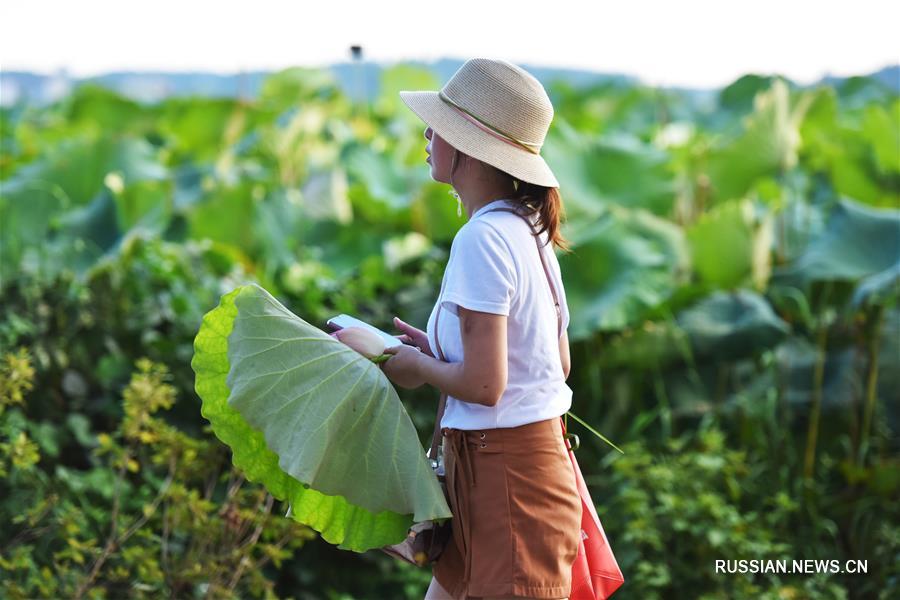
x=532 y=199
x=547 y=203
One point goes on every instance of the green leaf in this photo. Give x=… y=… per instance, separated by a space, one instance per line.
x=594 y=431
x=95 y=108
x=881 y=127
x=313 y=421
x=611 y=169
x=225 y=215
x=292 y=87
x=728 y=247
x=731 y=326
x=879 y=289
x=767 y=146
x=80 y=427
x=652 y=345
x=199 y=127
x=623 y=265
x=857 y=149
x=383 y=180
x=738 y=96
x=858 y=241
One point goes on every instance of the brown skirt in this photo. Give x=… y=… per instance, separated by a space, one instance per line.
x=517 y=512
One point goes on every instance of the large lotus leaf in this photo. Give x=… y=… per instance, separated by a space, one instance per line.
x=225 y=215
x=379 y=183
x=344 y=248
x=858 y=241
x=768 y=144
x=881 y=127
x=861 y=91
x=284 y=214
x=42 y=204
x=623 y=265
x=859 y=153
x=297 y=86
x=25 y=220
x=202 y=128
x=739 y=95
x=650 y=346
x=796 y=360
x=728 y=246
x=143 y=204
x=594 y=171
x=732 y=325
x=313 y=421
x=880 y=289
x=92 y=107
x=77 y=168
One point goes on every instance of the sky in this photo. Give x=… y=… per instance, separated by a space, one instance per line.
x=692 y=43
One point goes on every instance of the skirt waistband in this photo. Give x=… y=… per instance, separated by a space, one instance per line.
x=514 y=438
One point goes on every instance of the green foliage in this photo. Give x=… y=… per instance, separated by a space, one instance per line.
x=150 y=514
x=733 y=293
x=696 y=501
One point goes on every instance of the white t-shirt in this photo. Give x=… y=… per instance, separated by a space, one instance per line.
x=494 y=267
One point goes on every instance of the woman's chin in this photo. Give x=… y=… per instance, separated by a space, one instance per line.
x=434 y=176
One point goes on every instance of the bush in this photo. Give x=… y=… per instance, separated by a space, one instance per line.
x=154 y=513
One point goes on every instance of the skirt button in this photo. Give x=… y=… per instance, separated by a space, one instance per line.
x=482 y=435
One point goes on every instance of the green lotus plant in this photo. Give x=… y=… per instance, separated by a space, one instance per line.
x=313 y=420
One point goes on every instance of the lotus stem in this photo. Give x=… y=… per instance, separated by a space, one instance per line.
x=812 y=433
x=871 y=380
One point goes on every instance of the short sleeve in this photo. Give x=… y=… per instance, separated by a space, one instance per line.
x=481 y=274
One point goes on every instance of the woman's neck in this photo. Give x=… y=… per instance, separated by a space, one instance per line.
x=478 y=197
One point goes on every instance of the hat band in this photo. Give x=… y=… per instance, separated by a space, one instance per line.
x=500 y=135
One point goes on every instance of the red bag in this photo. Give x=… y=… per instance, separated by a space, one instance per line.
x=595 y=573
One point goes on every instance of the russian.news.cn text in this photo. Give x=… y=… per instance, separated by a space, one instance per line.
x=806 y=566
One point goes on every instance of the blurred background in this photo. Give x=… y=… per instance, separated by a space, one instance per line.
x=731 y=179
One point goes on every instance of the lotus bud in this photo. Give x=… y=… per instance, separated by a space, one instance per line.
x=362 y=340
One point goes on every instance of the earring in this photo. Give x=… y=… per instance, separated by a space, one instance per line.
x=458 y=202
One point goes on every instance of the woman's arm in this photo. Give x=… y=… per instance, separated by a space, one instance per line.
x=482 y=376
x=564 y=357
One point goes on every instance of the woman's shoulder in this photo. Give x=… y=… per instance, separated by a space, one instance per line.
x=482 y=241
x=508 y=225
x=487 y=232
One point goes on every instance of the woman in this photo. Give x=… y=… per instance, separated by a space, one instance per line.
x=517 y=512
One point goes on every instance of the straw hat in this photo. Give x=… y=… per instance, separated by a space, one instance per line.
x=494 y=111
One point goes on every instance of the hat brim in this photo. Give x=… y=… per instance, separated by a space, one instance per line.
x=468 y=138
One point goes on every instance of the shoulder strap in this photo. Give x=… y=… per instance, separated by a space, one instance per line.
x=443 y=402
x=432 y=453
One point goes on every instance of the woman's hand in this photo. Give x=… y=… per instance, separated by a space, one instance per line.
x=403 y=367
x=416 y=337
